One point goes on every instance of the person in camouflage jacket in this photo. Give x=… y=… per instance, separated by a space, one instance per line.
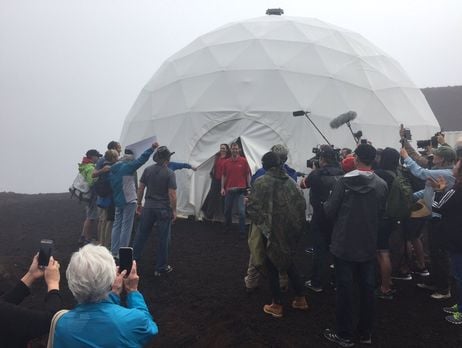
x=277 y=210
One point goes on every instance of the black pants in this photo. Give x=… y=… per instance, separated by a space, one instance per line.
x=439 y=258
x=273 y=276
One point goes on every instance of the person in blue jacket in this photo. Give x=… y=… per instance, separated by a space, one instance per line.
x=99 y=319
x=123 y=185
x=443 y=162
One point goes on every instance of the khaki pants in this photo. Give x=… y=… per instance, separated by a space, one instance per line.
x=253 y=277
x=104 y=228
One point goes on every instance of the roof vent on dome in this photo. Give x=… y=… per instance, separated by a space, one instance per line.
x=274 y=11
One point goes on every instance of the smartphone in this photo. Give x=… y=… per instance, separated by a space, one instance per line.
x=125 y=259
x=45 y=252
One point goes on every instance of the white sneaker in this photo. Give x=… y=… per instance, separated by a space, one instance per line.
x=441 y=296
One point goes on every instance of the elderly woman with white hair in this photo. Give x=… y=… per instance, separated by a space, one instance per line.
x=99 y=319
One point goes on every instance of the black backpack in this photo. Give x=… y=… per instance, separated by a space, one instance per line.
x=102 y=186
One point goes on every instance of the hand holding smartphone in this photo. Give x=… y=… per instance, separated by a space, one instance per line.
x=125 y=259
x=45 y=252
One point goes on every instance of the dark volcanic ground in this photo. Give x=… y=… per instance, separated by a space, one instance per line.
x=203 y=302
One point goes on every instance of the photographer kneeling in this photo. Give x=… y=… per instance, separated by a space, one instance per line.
x=321 y=182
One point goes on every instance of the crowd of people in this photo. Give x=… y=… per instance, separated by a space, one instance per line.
x=358 y=198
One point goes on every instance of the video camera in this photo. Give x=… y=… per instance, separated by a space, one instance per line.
x=313 y=162
x=433 y=142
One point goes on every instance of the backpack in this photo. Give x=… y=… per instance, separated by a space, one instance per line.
x=103 y=186
x=80 y=189
x=399 y=200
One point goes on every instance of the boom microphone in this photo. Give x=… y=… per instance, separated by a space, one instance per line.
x=342 y=119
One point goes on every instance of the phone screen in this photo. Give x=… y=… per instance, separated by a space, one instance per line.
x=45 y=252
x=125 y=259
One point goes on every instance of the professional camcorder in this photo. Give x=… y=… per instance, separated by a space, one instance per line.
x=313 y=162
x=433 y=141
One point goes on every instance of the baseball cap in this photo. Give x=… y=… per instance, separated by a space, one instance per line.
x=348 y=163
x=281 y=150
x=445 y=152
x=93 y=152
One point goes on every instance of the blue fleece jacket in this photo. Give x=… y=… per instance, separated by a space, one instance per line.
x=122 y=178
x=107 y=324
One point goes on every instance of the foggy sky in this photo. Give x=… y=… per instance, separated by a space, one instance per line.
x=71 y=69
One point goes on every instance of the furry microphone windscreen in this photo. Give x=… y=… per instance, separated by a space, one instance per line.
x=342 y=119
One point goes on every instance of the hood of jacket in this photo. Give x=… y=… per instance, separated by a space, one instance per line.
x=359 y=181
x=278 y=173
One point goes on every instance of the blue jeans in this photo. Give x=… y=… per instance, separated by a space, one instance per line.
x=456 y=264
x=230 y=197
x=163 y=220
x=122 y=227
x=344 y=275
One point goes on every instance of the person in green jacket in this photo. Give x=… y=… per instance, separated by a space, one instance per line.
x=86 y=168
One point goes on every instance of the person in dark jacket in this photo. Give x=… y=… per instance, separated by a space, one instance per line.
x=387 y=170
x=451 y=227
x=356 y=204
x=19 y=325
x=321 y=182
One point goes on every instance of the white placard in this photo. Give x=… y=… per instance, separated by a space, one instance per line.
x=140 y=146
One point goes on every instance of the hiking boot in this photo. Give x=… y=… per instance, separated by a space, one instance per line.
x=310 y=286
x=333 y=337
x=441 y=295
x=456 y=318
x=426 y=286
x=401 y=276
x=274 y=309
x=388 y=295
x=451 y=310
x=299 y=302
x=167 y=270
x=422 y=272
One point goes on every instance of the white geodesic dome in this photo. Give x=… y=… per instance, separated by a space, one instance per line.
x=245 y=79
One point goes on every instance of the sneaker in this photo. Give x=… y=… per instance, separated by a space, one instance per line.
x=456 y=318
x=426 y=286
x=451 y=310
x=441 y=295
x=309 y=285
x=309 y=250
x=167 y=270
x=384 y=295
x=422 y=272
x=274 y=309
x=365 y=339
x=401 y=276
x=333 y=337
x=300 y=303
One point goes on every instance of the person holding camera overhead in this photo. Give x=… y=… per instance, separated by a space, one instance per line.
x=99 y=319
x=443 y=162
x=18 y=325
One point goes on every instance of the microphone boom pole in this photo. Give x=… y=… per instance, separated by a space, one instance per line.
x=316 y=127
